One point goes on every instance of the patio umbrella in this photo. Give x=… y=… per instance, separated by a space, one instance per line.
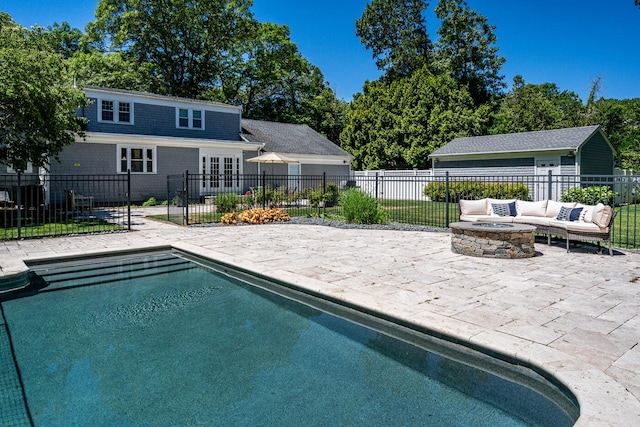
x=272 y=158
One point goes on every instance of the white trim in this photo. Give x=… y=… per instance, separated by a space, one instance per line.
x=190 y=112
x=165 y=141
x=28 y=169
x=144 y=148
x=116 y=111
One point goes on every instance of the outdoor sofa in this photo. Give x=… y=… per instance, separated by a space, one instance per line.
x=571 y=221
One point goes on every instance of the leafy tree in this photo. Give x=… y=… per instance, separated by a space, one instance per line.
x=396 y=33
x=466 y=50
x=112 y=70
x=37 y=98
x=620 y=120
x=530 y=107
x=185 y=41
x=63 y=39
x=396 y=125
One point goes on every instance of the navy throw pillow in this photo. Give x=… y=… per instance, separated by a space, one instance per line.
x=574 y=215
x=564 y=213
x=504 y=209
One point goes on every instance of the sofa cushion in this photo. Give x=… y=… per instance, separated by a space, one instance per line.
x=486 y=218
x=578 y=226
x=587 y=213
x=504 y=209
x=474 y=207
x=531 y=208
x=532 y=220
x=553 y=207
x=602 y=217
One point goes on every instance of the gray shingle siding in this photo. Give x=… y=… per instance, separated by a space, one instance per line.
x=159 y=120
x=516 y=166
x=340 y=170
x=596 y=157
x=83 y=158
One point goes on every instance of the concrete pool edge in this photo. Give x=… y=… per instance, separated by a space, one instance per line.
x=603 y=400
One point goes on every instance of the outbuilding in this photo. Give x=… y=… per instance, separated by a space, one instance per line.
x=570 y=151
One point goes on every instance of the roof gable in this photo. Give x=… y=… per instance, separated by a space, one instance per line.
x=289 y=138
x=546 y=140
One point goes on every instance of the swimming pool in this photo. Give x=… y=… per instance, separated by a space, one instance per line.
x=173 y=339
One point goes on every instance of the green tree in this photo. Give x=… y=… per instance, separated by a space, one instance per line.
x=466 y=50
x=62 y=38
x=530 y=107
x=396 y=125
x=37 y=99
x=396 y=33
x=620 y=120
x=270 y=78
x=112 y=70
x=185 y=42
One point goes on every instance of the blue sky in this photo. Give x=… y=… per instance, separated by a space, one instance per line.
x=567 y=42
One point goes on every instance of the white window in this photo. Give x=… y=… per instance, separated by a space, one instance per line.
x=28 y=169
x=136 y=159
x=187 y=118
x=111 y=111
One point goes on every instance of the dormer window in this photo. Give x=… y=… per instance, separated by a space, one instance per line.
x=112 y=111
x=189 y=119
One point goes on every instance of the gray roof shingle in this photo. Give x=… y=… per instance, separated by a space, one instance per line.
x=289 y=138
x=545 y=140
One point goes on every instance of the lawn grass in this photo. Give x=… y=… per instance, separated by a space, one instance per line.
x=59 y=228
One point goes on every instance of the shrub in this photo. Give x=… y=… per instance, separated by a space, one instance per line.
x=360 y=208
x=151 y=201
x=256 y=216
x=589 y=195
x=226 y=202
x=475 y=190
x=330 y=196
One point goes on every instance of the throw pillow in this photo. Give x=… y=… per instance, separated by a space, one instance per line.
x=504 y=209
x=603 y=220
x=574 y=215
x=564 y=213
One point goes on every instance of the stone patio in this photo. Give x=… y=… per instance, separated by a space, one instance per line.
x=574 y=314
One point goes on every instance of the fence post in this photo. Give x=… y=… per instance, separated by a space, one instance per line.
x=168 y=197
x=376 y=185
x=324 y=192
x=185 y=198
x=446 y=198
x=549 y=186
x=264 y=189
x=19 y=199
x=129 y=199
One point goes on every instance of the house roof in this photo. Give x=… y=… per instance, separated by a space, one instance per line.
x=149 y=95
x=289 y=138
x=545 y=140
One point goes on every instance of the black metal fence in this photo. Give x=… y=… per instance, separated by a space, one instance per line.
x=33 y=205
x=406 y=198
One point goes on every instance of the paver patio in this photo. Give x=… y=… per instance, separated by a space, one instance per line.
x=574 y=314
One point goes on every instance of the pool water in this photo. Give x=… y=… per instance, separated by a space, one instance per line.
x=163 y=341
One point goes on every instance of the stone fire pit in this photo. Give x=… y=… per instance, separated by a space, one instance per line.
x=493 y=240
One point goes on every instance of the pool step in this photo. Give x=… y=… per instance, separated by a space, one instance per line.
x=82 y=274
